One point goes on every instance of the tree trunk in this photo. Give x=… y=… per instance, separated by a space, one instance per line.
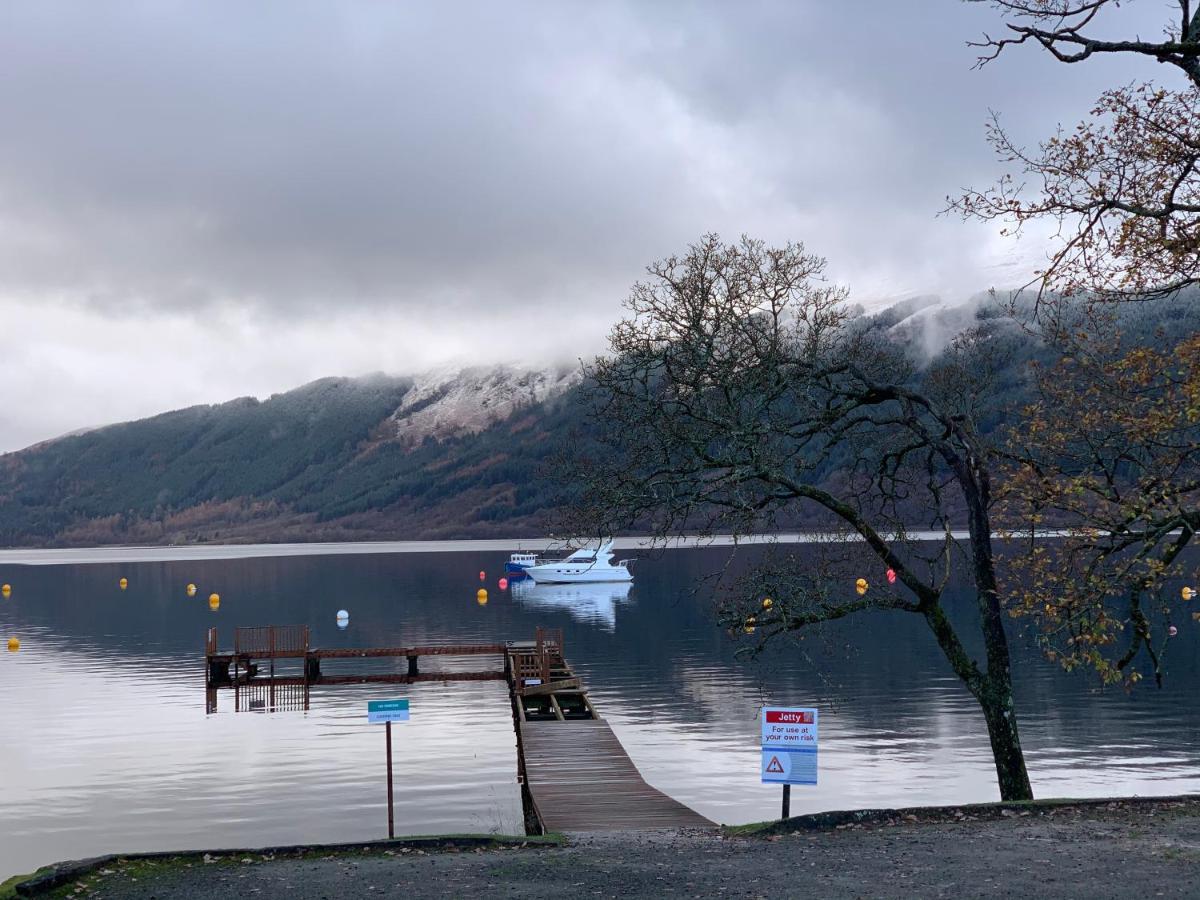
x=997 y=705
x=993 y=692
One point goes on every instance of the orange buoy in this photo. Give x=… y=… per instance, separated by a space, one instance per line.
x=481 y=597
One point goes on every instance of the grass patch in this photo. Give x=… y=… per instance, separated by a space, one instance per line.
x=151 y=865
x=8 y=889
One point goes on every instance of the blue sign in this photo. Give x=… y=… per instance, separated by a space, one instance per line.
x=789 y=745
x=798 y=766
x=381 y=711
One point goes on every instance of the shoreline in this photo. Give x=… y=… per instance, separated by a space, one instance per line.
x=1152 y=833
x=52 y=556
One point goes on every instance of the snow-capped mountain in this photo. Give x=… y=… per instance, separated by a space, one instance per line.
x=449 y=402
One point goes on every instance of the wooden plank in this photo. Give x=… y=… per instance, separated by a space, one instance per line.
x=385 y=678
x=550 y=687
x=582 y=779
x=434 y=650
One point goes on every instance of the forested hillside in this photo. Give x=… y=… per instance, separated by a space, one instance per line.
x=319 y=462
x=341 y=459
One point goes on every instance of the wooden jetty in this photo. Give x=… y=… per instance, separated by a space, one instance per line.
x=578 y=775
x=574 y=773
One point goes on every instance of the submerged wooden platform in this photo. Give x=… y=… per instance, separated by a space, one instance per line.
x=573 y=771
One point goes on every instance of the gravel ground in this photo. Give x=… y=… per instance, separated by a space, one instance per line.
x=1120 y=850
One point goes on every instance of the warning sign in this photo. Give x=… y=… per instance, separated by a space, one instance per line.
x=789 y=745
x=789 y=767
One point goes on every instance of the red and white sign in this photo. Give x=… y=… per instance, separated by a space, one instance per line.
x=789 y=745
x=785 y=728
x=794 y=716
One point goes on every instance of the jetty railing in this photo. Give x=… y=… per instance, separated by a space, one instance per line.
x=574 y=773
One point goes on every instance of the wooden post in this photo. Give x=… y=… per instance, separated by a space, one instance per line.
x=391 y=822
x=787 y=800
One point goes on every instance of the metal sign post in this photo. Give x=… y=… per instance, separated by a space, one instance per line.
x=789 y=748
x=387 y=712
x=391 y=806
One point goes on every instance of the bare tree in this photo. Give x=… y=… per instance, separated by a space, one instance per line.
x=1059 y=27
x=741 y=391
x=1109 y=448
x=1121 y=189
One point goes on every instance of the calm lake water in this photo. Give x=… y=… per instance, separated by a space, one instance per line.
x=106 y=744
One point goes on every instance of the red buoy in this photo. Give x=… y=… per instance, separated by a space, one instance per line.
x=503 y=584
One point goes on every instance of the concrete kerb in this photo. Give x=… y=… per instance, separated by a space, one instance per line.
x=825 y=821
x=53 y=876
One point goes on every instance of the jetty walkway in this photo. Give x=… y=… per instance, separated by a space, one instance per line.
x=574 y=773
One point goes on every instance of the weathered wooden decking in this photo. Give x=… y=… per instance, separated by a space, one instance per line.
x=582 y=779
x=575 y=774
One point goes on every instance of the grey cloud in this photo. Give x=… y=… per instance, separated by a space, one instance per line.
x=292 y=154
x=473 y=162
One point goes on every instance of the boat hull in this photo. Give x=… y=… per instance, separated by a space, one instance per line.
x=560 y=575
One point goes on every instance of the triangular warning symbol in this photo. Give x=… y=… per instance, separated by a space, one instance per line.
x=774 y=765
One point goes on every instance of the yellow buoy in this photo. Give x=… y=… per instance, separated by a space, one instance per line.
x=750 y=623
x=13 y=645
x=768 y=603
x=191 y=590
x=861 y=586
x=1187 y=593
x=124 y=583
x=214 y=601
x=481 y=597
x=6 y=589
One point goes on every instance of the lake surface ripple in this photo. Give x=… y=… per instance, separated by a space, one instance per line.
x=107 y=745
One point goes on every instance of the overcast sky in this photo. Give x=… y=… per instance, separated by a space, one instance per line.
x=206 y=200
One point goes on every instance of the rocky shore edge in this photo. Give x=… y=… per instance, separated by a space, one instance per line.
x=183 y=867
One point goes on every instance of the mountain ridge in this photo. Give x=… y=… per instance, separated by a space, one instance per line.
x=479 y=452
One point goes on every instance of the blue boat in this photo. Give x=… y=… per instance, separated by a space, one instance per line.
x=519 y=562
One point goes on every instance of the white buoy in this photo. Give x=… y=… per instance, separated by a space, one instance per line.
x=343 y=618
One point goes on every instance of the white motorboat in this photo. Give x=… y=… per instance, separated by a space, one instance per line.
x=584 y=565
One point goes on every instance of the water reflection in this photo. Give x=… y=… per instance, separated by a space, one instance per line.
x=107 y=746
x=270 y=696
x=594 y=604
